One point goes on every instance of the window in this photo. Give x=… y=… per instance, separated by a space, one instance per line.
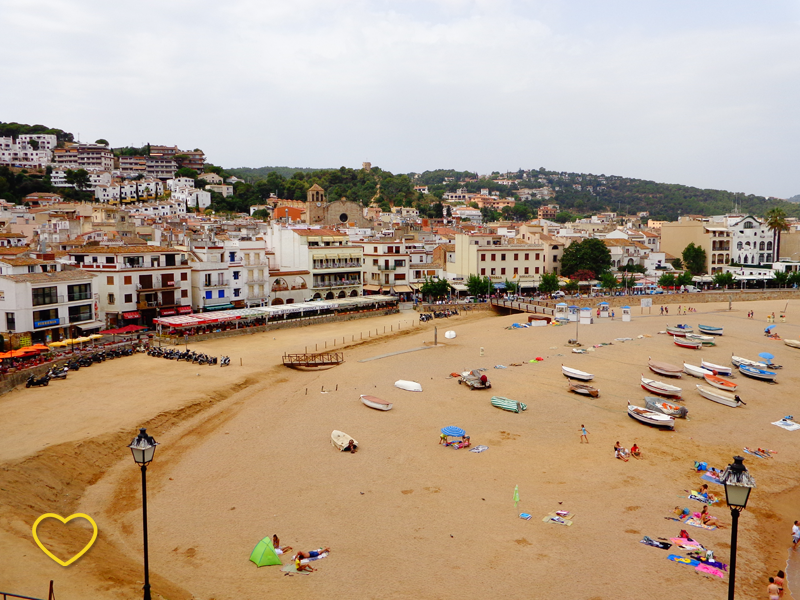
x=169 y=260
x=184 y=276
x=236 y=292
x=47 y=295
x=184 y=293
x=208 y=295
x=527 y=256
x=555 y=257
x=536 y=270
x=109 y=260
x=375 y=249
x=11 y=321
x=502 y=257
x=537 y=256
x=374 y=262
x=483 y=271
x=738 y=245
x=220 y=293
x=516 y=256
x=503 y=271
x=748 y=225
x=127 y=280
x=78 y=314
x=128 y=298
x=494 y=257
x=516 y=271
x=526 y=270
x=494 y=271
x=761 y=246
x=231 y=256
x=81 y=291
x=207 y=279
x=45 y=318
x=483 y=257
x=236 y=274
x=110 y=280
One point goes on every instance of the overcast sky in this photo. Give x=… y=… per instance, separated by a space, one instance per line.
x=700 y=93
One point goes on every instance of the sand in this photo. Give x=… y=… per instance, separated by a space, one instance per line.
x=245 y=452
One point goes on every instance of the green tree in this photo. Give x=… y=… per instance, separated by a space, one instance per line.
x=684 y=278
x=780 y=278
x=794 y=279
x=478 y=286
x=724 y=279
x=262 y=214
x=434 y=289
x=608 y=281
x=776 y=221
x=694 y=259
x=511 y=286
x=590 y=254
x=564 y=217
x=549 y=283
x=79 y=178
x=632 y=269
x=667 y=280
x=102 y=142
x=676 y=263
x=186 y=172
x=571 y=286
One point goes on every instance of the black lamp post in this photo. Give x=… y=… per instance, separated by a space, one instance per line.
x=738 y=483
x=143 y=448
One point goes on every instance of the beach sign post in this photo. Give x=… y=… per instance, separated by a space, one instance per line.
x=516 y=495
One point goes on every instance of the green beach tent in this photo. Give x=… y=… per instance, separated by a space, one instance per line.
x=264 y=554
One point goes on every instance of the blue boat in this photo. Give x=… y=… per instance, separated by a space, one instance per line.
x=710 y=330
x=757 y=373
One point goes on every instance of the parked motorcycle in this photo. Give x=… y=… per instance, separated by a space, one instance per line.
x=57 y=373
x=33 y=382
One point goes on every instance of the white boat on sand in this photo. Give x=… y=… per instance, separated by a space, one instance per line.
x=717 y=369
x=792 y=343
x=656 y=419
x=738 y=360
x=725 y=398
x=576 y=374
x=661 y=388
x=721 y=383
x=340 y=440
x=708 y=329
x=409 y=386
x=755 y=373
x=659 y=405
x=376 y=403
x=706 y=340
x=695 y=371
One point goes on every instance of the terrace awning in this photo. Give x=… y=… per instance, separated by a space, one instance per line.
x=131 y=315
x=402 y=289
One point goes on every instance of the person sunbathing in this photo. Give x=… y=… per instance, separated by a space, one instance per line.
x=707 y=519
x=635 y=451
x=276 y=544
x=703 y=491
x=464 y=443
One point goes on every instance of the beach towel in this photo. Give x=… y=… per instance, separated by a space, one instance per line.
x=500 y=367
x=292 y=570
x=525 y=516
x=686 y=543
x=755 y=453
x=787 y=425
x=710 y=570
x=711 y=477
x=307 y=560
x=684 y=560
x=655 y=543
x=479 y=449
x=700 y=498
x=694 y=522
x=552 y=518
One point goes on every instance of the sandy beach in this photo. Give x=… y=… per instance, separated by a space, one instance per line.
x=245 y=453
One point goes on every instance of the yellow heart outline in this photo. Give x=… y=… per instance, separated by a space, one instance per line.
x=64 y=521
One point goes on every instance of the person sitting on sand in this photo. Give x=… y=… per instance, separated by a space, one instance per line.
x=443 y=439
x=298 y=564
x=703 y=491
x=682 y=512
x=351 y=447
x=619 y=452
x=464 y=443
x=276 y=544
x=707 y=519
x=635 y=451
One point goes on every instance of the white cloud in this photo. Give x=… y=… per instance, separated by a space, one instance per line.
x=675 y=93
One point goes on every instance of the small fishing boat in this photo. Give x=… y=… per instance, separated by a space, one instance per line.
x=706 y=340
x=376 y=403
x=663 y=368
x=709 y=330
x=695 y=371
x=717 y=369
x=661 y=388
x=409 y=386
x=679 y=330
x=686 y=343
x=725 y=398
x=340 y=440
x=508 y=404
x=582 y=388
x=650 y=417
x=792 y=343
x=659 y=405
x=720 y=383
x=755 y=373
x=576 y=374
x=738 y=360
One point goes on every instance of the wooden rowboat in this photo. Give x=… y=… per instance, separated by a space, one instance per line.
x=720 y=383
x=792 y=343
x=717 y=369
x=695 y=371
x=508 y=404
x=708 y=329
x=650 y=417
x=725 y=398
x=409 y=386
x=761 y=374
x=738 y=360
x=576 y=374
x=706 y=340
x=679 y=330
x=340 y=440
x=686 y=343
x=582 y=388
x=376 y=403
x=659 y=405
x=663 y=368
x=661 y=388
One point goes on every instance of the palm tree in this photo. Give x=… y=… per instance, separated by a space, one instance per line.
x=776 y=221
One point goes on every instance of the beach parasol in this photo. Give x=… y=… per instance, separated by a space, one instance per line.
x=453 y=431
x=95 y=336
x=769 y=328
x=82 y=340
x=56 y=344
x=767 y=355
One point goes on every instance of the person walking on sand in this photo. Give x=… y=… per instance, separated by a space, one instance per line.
x=585 y=436
x=662 y=311
x=772 y=590
x=779 y=581
x=795 y=534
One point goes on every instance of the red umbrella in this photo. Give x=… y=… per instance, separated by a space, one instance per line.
x=130 y=328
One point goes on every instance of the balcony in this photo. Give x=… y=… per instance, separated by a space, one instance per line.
x=214 y=301
x=387 y=267
x=158 y=284
x=53 y=300
x=336 y=284
x=216 y=284
x=337 y=265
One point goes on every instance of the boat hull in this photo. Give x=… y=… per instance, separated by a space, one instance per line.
x=508 y=404
x=665 y=369
x=724 y=398
x=696 y=371
x=684 y=343
x=717 y=369
x=409 y=386
x=586 y=390
x=661 y=389
x=720 y=383
x=659 y=405
x=792 y=343
x=340 y=440
x=757 y=373
x=739 y=361
x=376 y=403
x=650 y=417
x=708 y=330
x=576 y=374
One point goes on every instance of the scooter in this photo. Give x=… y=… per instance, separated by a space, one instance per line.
x=57 y=374
x=32 y=381
x=225 y=361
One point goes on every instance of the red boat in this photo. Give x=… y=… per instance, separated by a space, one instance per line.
x=684 y=343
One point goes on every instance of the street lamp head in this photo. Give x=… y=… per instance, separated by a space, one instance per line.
x=143 y=447
x=738 y=483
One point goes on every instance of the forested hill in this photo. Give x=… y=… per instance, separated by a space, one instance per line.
x=252 y=175
x=16 y=129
